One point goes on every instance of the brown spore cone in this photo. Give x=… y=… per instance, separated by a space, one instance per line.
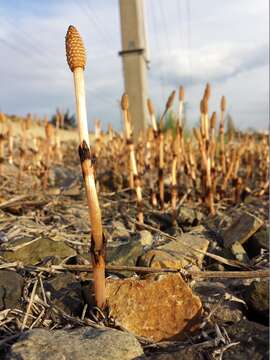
x=75 y=50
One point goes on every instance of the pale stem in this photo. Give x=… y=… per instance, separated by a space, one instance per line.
x=78 y=76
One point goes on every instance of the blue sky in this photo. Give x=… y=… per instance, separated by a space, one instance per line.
x=191 y=42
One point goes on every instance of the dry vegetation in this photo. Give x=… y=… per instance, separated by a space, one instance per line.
x=144 y=183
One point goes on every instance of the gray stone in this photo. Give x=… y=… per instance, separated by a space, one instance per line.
x=119 y=233
x=189 y=217
x=34 y=251
x=11 y=285
x=124 y=254
x=218 y=300
x=248 y=340
x=259 y=241
x=257 y=298
x=110 y=181
x=253 y=341
x=61 y=176
x=77 y=344
x=242 y=228
x=190 y=353
x=66 y=293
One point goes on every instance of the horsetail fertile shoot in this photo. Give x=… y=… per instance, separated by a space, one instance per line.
x=76 y=58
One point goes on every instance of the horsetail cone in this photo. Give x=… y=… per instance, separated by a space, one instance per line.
x=205 y=105
x=76 y=58
x=75 y=50
x=49 y=130
x=181 y=93
x=213 y=120
x=125 y=102
x=150 y=106
x=202 y=109
x=207 y=91
x=223 y=104
x=170 y=100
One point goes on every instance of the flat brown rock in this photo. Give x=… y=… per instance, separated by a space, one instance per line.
x=157 y=308
x=177 y=253
x=241 y=229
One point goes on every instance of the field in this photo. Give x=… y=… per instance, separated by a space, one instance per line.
x=185 y=229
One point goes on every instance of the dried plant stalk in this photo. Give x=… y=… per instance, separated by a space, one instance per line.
x=206 y=173
x=58 y=152
x=2 y=140
x=134 y=170
x=49 y=131
x=161 y=169
x=181 y=106
x=221 y=131
x=152 y=114
x=10 y=144
x=174 y=188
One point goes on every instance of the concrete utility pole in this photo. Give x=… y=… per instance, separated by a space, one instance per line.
x=134 y=55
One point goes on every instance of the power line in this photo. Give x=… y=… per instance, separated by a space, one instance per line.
x=189 y=36
x=103 y=99
x=106 y=35
x=166 y=37
x=15 y=48
x=25 y=46
x=162 y=74
x=87 y=13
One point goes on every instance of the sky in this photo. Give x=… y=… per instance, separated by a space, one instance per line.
x=190 y=43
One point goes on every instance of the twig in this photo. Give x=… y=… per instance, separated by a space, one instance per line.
x=29 y=305
x=14 y=200
x=250 y=274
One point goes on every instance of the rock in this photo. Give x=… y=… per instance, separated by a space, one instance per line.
x=239 y=252
x=110 y=181
x=247 y=341
x=66 y=293
x=190 y=353
x=11 y=286
x=257 y=299
x=73 y=191
x=3 y=238
x=61 y=176
x=177 y=253
x=77 y=344
x=259 y=241
x=34 y=251
x=145 y=238
x=189 y=217
x=241 y=229
x=124 y=254
x=220 y=301
x=119 y=233
x=159 y=308
x=79 y=218
x=54 y=191
x=160 y=259
x=253 y=341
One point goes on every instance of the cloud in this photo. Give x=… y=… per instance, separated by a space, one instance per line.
x=214 y=63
